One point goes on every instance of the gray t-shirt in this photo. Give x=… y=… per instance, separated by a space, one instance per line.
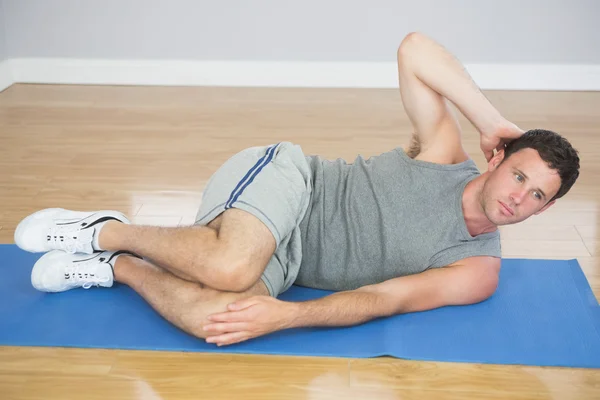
x=385 y=217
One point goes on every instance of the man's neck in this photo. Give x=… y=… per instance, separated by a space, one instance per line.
x=475 y=219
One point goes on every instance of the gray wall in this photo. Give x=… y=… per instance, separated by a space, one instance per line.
x=477 y=31
x=2 y=34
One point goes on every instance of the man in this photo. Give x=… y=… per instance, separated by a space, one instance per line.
x=409 y=230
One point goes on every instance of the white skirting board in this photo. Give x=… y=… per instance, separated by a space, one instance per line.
x=5 y=75
x=285 y=74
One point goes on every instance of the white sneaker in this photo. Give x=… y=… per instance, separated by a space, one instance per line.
x=58 y=271
x=60 y=229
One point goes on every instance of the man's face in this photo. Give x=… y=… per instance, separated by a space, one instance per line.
x=518 y=188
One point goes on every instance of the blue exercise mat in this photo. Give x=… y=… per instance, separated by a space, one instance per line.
x=543 y=313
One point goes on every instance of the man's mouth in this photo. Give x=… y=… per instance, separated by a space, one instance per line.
x=506 y=208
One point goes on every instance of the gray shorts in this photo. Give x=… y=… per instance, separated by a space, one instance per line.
x=274 y=184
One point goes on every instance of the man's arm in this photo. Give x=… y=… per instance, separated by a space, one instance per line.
x=429 y=76
x=470 y=281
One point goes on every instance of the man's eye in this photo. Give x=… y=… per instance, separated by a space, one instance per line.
x=519 y=177
x=537 y=195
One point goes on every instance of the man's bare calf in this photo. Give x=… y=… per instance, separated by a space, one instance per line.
x=185 y=304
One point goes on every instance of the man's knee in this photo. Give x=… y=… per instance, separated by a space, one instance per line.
x=240 y=277
x=243 y=246
x=236 y=272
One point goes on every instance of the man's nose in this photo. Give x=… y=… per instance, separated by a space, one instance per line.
x=518 y=195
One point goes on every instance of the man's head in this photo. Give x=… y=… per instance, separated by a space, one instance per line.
x=528 y=176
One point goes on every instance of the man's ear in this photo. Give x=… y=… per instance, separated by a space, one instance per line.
x=496 y=160
x=547 y=206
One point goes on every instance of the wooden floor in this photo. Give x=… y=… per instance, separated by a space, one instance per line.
x=149 y=151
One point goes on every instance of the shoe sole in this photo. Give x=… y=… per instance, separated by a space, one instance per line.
x=49 y=258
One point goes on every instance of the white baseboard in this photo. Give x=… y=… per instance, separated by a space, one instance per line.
x=5 y=75
x=288 y=74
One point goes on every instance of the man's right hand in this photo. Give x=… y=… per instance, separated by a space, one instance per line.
x=249 y=318
x=498 y=136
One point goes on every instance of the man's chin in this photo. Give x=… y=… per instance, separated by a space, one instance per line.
x=501 y=219
x=505 y=220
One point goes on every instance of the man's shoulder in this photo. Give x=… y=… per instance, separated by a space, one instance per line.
x=443 y=155
x=487 y=246
x=443 y=159
x=439 y=161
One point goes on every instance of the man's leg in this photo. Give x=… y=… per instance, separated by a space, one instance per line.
x=183 y=303
x=230 y=258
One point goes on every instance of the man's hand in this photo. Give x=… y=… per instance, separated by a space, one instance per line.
x=498 y=136
x=248 y=318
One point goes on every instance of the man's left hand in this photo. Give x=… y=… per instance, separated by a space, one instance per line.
x=498 y=137
x=248 y=318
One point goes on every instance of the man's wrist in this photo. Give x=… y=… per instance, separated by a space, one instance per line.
x=292 y=315
x=491 y=125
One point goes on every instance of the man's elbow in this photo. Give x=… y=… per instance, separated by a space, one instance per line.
x=484 y=290
x=408 y=43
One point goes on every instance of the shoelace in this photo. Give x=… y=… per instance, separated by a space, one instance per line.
x=84 y=274
x=67 y=239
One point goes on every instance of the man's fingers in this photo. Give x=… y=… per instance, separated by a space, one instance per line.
x=488 y=154
x=229 y=316
x=225 y=327
x=241 y=304
x=228 y=338
x=517 y=133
